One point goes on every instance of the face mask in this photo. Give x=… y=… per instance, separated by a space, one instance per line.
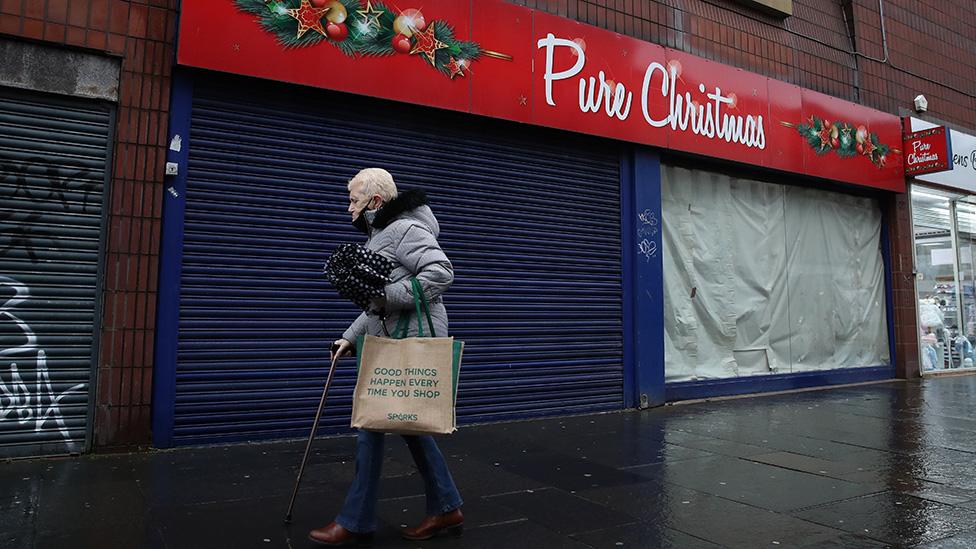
x=361 y=222
x=365 y=219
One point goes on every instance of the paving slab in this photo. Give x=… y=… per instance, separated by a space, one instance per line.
x=893 y=518
x=878 y=465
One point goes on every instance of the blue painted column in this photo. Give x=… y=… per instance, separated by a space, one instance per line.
x=643 y=279
x=171 y=262
x=889 y=276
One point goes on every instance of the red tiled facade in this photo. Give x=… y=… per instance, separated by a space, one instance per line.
x=141 y=33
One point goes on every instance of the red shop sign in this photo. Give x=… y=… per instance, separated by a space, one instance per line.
x=495 y=59
x=928 y=151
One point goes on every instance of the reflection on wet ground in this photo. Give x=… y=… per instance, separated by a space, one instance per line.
x=884 y=465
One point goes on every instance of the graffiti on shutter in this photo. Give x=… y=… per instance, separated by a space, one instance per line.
x=19 y=401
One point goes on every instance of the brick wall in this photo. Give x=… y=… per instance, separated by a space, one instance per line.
x=898 y=210
x=141 y=32
x=931 y=50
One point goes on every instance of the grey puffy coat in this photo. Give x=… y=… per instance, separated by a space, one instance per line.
x=405 y=231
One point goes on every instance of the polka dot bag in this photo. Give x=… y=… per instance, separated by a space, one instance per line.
x=358 y=274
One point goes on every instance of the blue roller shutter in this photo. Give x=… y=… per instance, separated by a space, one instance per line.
x=529 y=218
x=54 y=154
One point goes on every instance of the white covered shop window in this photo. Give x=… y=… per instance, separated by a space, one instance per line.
x=766 y=279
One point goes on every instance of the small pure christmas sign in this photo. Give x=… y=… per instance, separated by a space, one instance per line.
x=928 y=151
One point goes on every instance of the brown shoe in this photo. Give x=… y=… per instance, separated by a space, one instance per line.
x=334 y=535
x=432 y=525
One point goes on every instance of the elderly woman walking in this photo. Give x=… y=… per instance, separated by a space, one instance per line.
x=402 y=228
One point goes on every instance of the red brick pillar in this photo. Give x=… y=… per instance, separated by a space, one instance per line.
x=144 y=35
x=903 y=286
x=141 y=34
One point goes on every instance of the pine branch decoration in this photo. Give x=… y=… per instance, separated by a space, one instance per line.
x=369 y=40
x=369 y=29
x=844 y=139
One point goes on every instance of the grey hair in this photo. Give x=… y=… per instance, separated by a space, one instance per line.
x=375 y=181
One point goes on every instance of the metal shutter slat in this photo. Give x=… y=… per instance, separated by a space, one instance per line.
x=531 y=226
x=53 y=160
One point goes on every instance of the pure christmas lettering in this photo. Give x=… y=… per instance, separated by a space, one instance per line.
x=705 y=113
x=922 y=153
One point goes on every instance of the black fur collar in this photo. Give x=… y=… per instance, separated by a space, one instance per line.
x=404 y=202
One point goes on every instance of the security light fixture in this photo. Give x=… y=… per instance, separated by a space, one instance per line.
x=921 y=103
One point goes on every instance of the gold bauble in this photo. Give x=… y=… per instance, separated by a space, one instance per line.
x=337 y=12
x=408 y=22
x=400 y=26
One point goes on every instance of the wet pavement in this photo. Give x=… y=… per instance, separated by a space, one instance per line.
x=882 y=465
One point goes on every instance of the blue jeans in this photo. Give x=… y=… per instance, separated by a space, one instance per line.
x=358 y=513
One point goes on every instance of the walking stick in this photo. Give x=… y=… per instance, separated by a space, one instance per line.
x=311 y=436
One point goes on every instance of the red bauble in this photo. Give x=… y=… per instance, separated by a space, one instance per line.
x=337 y=31
x=418 y=18
x=401 y=44
x=318 y=3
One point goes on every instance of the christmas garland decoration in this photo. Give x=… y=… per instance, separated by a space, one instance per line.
x=366 y=29
x=844 y=139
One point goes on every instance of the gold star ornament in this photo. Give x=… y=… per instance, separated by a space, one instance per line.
x=427 y=44
x=371 y=17
x=456 y=68
x=309 y=18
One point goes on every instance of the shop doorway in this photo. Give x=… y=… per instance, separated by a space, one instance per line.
x=944 y=225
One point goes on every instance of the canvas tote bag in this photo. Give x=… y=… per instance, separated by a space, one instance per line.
x=407 y=385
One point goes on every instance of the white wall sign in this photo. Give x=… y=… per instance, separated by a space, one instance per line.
x=942 y=257
x=963 y=172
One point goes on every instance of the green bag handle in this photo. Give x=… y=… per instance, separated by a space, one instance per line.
x=400 y=331
x=422 y=308
x=419 y=291
x=403 y=324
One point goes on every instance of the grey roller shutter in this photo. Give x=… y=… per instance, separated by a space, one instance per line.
x=53 y=159
x=530 y=219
